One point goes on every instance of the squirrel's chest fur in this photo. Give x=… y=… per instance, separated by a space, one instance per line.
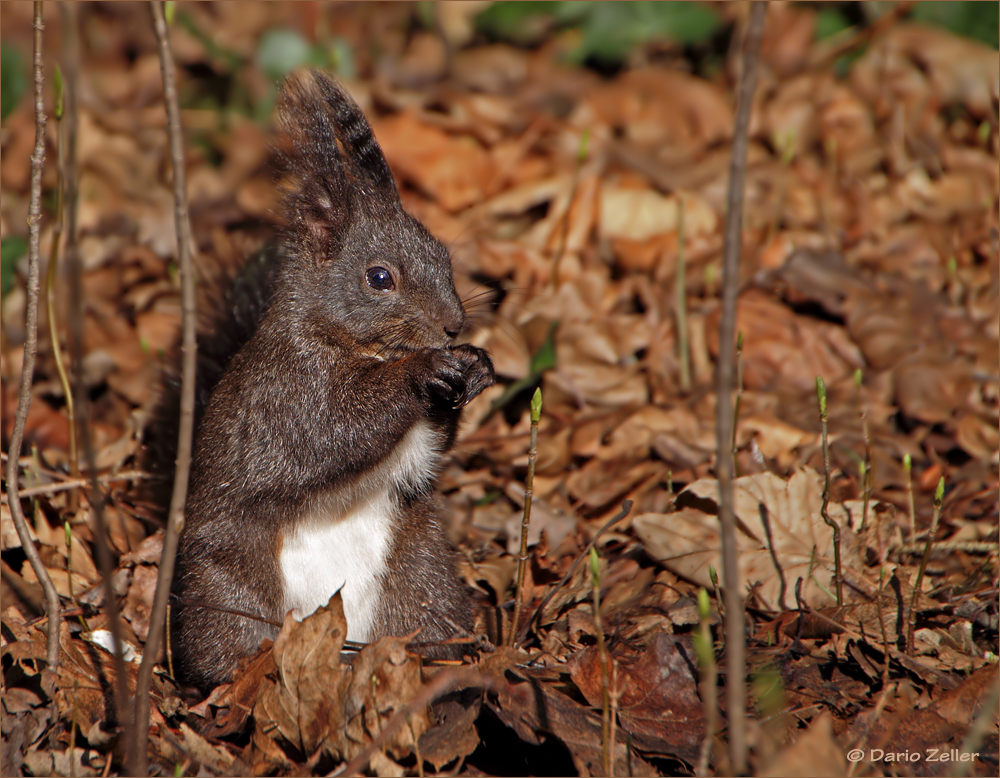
x=344 y=537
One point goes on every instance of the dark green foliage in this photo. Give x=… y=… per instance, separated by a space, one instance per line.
x=608 y=30
x=11 y=250
x=13 y=79
x=972 y=19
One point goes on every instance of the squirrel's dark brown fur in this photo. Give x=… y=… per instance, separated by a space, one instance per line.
x=316 y=455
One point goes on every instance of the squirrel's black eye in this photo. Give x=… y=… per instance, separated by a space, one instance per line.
x=379 y=278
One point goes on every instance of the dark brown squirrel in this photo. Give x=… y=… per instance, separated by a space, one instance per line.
x=334 y=389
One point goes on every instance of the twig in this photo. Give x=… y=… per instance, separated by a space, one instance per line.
x=175 y=519
x=78 y=483
x=615 y=696
x=52 y=606
x=680 y=305
x=908 y=467
x=522 y=559
x=50 y=277
x=735 y=637
x=626 y=507
x=968 y=546
x=867 y=476
x=440 y=685
x=912 y=617
x=602 y=652
x=739 y=397
x=782 y=583
x=824 y=510
x=881 y=626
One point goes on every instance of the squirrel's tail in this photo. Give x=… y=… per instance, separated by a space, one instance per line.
x=231 y=303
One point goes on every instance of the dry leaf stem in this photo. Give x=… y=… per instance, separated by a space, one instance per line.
x=735 y=637
x=52 y=606
x=522 y=559
x=912 y=618
x=175 y=520
x=824 y=510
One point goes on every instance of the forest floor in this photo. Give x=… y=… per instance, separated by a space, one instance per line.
x=570 y=199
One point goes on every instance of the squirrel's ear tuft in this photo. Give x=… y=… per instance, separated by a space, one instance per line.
x=330 y=148
x=316 y=191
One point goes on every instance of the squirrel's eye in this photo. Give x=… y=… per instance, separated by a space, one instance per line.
x=379 y=278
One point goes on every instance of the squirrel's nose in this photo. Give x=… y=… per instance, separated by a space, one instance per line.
x=454 y=322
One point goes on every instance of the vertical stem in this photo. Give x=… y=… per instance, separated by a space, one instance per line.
x=680 y=305
x=912 y=617
x=522 y=560
x=908 y=466
x=52 y=607
x=50 y=298
x=735 y=637
x=175 y=520
x=824 y=510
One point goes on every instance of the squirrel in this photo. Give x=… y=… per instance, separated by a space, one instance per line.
x=330 y=388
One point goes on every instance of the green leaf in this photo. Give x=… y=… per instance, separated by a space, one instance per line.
x=169 y=9
x=595 y=567
x=536 y=405
x=59 y=90
x=11 y=251
x=971 y=19
x=830 y=21
x=545 y=358
x=13 y=79
x=821 y=395
x=281 y=51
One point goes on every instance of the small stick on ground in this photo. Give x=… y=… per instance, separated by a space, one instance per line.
x=175 y=519
x=522 y=559
x=52 y=606
x=912 y=618
x=607 y=757
x=732 y=245
x=824 y=510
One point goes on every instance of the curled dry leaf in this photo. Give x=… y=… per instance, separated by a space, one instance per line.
x=687 y=542
x=313 y=705
x=658 y=704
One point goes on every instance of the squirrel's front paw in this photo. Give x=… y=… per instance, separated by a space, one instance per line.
x=456 y=375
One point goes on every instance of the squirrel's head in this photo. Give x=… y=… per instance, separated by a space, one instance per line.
x=359 y=266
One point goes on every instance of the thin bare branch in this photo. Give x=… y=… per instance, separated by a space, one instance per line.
x=175 y=520
x=522 y=559
x=735 y=638
x=52 y=605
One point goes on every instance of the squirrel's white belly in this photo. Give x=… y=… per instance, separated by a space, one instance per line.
x=343 y=539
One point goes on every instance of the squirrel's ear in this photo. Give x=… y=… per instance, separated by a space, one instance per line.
x=330 y=138
x=316 y=192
